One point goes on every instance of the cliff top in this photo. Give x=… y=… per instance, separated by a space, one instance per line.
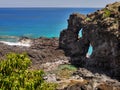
x=107 y=18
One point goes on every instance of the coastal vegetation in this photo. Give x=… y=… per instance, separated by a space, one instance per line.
x=65 y=71
x=15 y=75
x=87 y=19
x=106 y=13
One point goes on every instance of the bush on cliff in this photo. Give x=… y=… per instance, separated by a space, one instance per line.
x=14 y=74
x=106 y=13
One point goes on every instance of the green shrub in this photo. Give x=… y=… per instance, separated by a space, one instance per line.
x=106 y=13
x=87 y=19
x=65 y=71
x=69 y=67
x=47 y=86
x=14 y=74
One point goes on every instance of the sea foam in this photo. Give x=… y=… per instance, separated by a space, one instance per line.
x=16 y=43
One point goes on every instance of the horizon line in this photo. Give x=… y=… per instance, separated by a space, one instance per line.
x=51 y=7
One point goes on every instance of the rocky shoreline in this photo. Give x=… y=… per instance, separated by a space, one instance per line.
x=101 y=71
x=45 y=54
x=41 y=50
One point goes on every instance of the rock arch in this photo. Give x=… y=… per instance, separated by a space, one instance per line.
x=102 y=32
x=75 y=47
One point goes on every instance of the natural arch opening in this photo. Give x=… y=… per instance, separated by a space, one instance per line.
x=90 y=49
x=80 y=33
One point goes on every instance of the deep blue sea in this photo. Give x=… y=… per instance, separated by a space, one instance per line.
x=35 y=22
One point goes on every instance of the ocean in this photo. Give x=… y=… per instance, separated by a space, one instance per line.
x=35 y=22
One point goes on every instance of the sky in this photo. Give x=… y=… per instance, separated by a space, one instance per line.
x=55 y=3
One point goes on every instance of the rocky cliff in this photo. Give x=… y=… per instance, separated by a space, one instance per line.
x=101 y=30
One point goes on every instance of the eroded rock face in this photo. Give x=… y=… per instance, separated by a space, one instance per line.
x=69 y=41
x=101 y=29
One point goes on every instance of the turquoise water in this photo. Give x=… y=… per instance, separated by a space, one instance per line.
x=35 y=22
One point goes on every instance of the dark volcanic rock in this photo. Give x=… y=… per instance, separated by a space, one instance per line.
x=44 y=43
x=69 y=41
x=100 y=29
x=42 y=50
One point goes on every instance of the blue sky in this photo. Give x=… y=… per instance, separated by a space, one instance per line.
x=55 y=3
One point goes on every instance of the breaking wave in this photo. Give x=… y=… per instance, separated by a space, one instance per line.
x=13 y=41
